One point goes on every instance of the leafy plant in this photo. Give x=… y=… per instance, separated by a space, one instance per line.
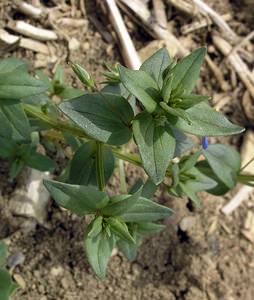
x=7 y=286
x=156 y=106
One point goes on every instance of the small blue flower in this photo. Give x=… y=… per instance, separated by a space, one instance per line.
x=205 y=142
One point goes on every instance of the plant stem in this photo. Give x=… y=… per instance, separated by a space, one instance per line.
x=100 y=166
x=123 y=185
x=54 y=123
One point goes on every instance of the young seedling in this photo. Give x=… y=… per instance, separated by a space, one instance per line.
x=155 y=106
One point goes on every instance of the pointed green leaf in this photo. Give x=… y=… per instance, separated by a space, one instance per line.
x=121 y=204
x=145 y=211
x=120 y=229
x=156 y=145
x=40 y=162
x=130 y=249
x=15 y=114
x=186 y=71
x=147 y=228
x=96 y=227
x=190 y=161
x=18 y=84
x=105 y=117
x=225 y=163
x=98 y=251
x=205 y=121
x=77 y=198
x=141 y=85
x=156 y=64
x=6 y=129
x=191 y=100
x=11 y=64
x=175 y=111
x=7 y=287
x=183 y=142
x=190 y=193
x=82 y=169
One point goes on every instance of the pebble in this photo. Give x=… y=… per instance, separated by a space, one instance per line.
x=20 y=280
x=86 y=46
x=56 y=271
x=187 y=222
x=74 y=44
x=15 y=260
x=65 y=283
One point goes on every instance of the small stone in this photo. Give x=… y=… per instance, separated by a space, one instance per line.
x=186 y=223
x=74 y=44
x=20 y=280
x=56 y=271
x=86 y=46
x=65 y=283
x=16 y=260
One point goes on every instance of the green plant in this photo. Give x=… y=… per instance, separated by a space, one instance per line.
x=154 y=105
x=7 y=286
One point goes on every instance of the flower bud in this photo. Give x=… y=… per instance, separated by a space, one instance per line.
x=83 y=75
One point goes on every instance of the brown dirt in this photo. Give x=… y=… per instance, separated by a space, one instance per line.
x=212 y=260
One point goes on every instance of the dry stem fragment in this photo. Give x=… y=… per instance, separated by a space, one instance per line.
x=128 y=49
x=236 y=62
x=32 y=31
x=28 y=9
x=160 y=14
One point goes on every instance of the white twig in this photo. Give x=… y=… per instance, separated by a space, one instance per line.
x=129 y=52
x=29 y=9
x=26 y=43
x=32 y=31
x=160 y=13
x=229 y=34
x=140 y=10
x=236 y=62
x=242 y=195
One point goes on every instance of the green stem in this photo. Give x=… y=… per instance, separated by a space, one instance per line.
x=54 y=123
x=100 y=166
x=123 y=185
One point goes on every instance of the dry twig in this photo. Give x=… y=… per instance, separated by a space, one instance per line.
x=139 y=9
x=228 y=33
x=29 y=10
x=236 y=62
x=129 y=52
x=32 y=31
x=160 y=13
x=184 y=6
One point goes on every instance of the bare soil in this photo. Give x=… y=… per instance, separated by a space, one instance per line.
x=211 y=260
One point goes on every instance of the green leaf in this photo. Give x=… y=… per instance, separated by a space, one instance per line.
x=205 y=121
x=186 y=71
x=105 y=117
x=130 y=249
x=225 y=163
x=191 y=100
x=147 y=228
x=156 y=145
x=177 y=112
x=18 y=84
x=121 y=204
x=120 y=229
x=40 y=162
x=175 y=175
x=98 y=250
x=189 y=192
x=15 y=114
x=141 y=85
x=96 y=227
x=82 y=170
x=149 y=189
x=79 y=199
x=190 y=161
x=11 y=64
x=3 y=254
x=7 y=287
x=5 y=127
x=156 y=64
x=183 y=142
x=220 y=189
x=16 y=166
x=145 y=210
x=69 y=93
